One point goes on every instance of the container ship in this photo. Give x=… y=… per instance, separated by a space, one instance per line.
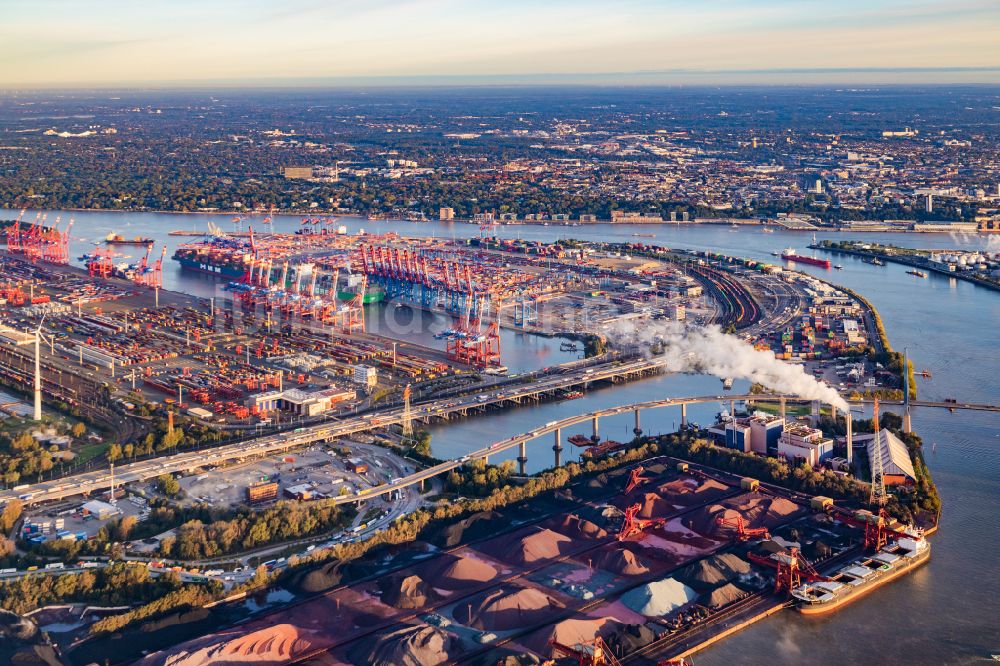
x=118 y=239
x=857 y=579
x=788 y=254
x=222 y=256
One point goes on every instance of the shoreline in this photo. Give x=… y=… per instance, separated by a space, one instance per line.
x=721 y=221
x=906 y=261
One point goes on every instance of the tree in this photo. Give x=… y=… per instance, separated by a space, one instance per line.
x=79 y=430
x=114 y=452
x=11 y=512
x=168 y=485
x=422 y=443
x=6 y=546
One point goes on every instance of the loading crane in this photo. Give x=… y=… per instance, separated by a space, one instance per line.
x=791 y=569
x=635 y=478
x=632 y=525
x=743 y=533
x=591 y=653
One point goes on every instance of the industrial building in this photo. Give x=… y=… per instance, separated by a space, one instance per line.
x=800 y=442
x=897 y=467
x=299 y=401
x=758 y=433
x=99 y=510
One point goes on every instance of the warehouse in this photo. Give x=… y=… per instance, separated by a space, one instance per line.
x=897 y=467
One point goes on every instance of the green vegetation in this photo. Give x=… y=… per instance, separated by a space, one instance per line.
x=168 y=485
x=422 y=443
x=22 y=457
x=215 y=534
x=189 y=596
x=478 y=479
x=115 y=585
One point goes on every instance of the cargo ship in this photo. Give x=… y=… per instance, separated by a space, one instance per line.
x=857 y=579
x=221 y=256
x=118 y=239
x=788 y=254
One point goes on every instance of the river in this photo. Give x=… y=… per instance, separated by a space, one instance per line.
x=945 y=613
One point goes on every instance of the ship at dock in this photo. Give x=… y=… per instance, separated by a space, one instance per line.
x=853 y=581
x=788 y=254
x=223 y=256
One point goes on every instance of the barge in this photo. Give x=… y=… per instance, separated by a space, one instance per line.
x=857 y=579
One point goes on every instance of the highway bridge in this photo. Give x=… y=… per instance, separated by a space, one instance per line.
x=187 y=462
x=547 y=385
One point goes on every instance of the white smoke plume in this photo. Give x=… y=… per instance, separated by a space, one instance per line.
x=707 y=349
x=982 y=242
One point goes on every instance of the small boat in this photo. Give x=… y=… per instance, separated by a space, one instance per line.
x=917 y=273
x=767 y=230
x=839 y=267
x=568 y=346
x=638 y=235
x=572 y=395
x=727 y=384
x=875 y=261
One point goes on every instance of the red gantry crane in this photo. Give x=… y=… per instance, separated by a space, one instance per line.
x=591 y=653
x=632 y=525
x=791 y=568
x=744 y=533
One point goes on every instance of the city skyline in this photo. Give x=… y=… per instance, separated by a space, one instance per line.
x=55 y=43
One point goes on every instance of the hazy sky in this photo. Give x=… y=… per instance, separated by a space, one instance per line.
x=81 y=42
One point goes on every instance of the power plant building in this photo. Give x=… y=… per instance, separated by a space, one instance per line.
x=800 y=442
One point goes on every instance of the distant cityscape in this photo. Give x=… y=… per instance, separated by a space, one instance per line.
x=802 y=158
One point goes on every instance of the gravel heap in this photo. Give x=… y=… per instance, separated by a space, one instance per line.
x=715 y=570
x=407 y=592
x=409 y=646
x=659 y=598
x=453 y=572
x=503 y=610
x=724 y=595
x=621 y=561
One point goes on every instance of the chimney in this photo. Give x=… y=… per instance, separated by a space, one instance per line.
x=850 y=437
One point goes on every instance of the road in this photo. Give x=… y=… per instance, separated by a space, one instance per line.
x=89 y=482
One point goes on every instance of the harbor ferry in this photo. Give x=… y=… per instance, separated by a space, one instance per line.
x=857 y=579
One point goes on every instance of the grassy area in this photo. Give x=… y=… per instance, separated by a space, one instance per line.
x=775 y=408
x=88 y=452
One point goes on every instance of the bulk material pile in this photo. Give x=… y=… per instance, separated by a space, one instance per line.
x=451 y=572
x=503 y=610
x=621 y=561
x=409 y=646
x=659 y=598
x=576 y=527
x=724 y=596
x=715 y=570
x=540 y=545
x=407 y=592
x=277 y=644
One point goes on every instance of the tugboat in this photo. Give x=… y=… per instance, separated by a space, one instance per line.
x=920 y=274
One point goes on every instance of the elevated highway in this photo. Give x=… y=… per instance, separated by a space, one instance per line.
x=187 y=462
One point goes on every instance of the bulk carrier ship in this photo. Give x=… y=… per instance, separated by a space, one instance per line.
x=857 y=579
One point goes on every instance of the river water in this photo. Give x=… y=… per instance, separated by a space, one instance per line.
x=948 y=612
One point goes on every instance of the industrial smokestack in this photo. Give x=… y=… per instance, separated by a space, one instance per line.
x=850 y=437
x=782 y=408
x=38 y=374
